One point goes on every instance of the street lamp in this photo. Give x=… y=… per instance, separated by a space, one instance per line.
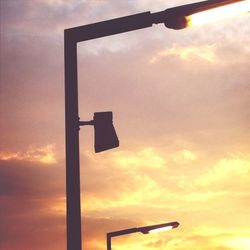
x=145 y=230
x=174 y=18
x=221 y=12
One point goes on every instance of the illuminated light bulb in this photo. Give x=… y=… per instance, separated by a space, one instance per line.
x=157 y=230
x=218 y=13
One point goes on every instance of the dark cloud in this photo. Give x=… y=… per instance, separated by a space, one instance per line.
x=35 y=231
x=27 y=189
x=31 y=179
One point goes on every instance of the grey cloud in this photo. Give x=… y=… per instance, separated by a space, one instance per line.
x=34 y=231
x=31 y=180
x=26 y=191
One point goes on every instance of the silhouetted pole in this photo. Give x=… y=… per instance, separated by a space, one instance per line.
x=73 y=210
x=71 y=37
x=118 y=233
x=174 y=18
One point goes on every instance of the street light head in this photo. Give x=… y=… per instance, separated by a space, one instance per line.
x=187 y=15
x=175 y=20
x=159 y=228
x=105 y=135
x=218 y=13
x=163 y=229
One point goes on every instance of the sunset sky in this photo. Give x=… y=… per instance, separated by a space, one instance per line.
x=180 y=101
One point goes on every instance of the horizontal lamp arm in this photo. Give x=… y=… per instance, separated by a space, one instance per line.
x=173 y=18
x=109 y=27
x=122 y=232
x=84 y=123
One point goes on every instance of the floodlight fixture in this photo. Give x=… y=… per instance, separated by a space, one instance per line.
x=105 y=135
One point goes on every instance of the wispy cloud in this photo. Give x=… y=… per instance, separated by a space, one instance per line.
x=206 y=53
x=144 y=158
x=235 y=168
x=43 y=154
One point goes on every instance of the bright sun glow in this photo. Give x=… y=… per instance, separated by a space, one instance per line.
x=240 y=243
x=157 y=230
x=218 y=13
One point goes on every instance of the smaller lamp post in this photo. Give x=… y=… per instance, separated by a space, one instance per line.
x=145 y=230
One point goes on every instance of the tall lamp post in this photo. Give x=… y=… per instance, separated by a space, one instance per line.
x=145 y=230
x=174 y=18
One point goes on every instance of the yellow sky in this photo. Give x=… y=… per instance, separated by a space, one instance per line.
x=181 y=110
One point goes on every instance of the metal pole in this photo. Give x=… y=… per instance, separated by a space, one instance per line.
x=72 y=146
x=108 y=242
x=173 y=18
x=71 y=38
x=118 y=233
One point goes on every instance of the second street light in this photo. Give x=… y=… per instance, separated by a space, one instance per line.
x=145 y=230
x=174 y=18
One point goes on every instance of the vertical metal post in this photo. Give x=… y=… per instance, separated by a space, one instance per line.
x=118 y=233
x=72 y=145
x=71 y=37
x=108 y=241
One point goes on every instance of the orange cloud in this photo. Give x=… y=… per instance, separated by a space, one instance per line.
x=236 y=167
x=144 y=158
x=205 y=53
x=44 y=154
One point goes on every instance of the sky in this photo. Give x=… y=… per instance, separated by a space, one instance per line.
x=180 y=101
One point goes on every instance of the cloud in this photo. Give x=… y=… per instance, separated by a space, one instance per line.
x=234 y=169
x=144 y=158
x=31 y=179
x=36 y=231
x=27 y=192
x=139 y=193
x=240 y=243
x=134 y=175
x=204 y=53
x=44 y=154
x=184 y=155
x=130 y=178
x=97 y=227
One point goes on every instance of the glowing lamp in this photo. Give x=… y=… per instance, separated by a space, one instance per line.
x=159 y=228
x=218 y=13
x=201 y=12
